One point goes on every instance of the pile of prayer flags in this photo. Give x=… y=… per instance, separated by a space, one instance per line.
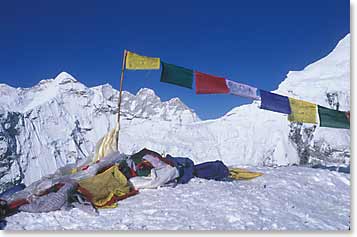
x=176 y=75
x=209 y=84
x=137 y=62
x=333 y=118
x=243 y=90
x=302 y=111
x=274 y=102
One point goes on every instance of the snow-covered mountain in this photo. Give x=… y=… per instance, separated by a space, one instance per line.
x=59 y=120
x=327 y=83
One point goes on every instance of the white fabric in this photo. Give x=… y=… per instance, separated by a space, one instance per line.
x=157 y=178
x=243 y=90
x=155 y=162
x=50 y=180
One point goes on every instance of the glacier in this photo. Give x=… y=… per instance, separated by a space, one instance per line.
x=59 y=121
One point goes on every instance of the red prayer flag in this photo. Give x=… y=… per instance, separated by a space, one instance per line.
x=209 y=84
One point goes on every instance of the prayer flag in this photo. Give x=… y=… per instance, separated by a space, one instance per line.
x=137 y=62
x=243 y=90
x=209 y=84
x=274 y=102
x=302 y=111
x=333 y=118
x=176 y=75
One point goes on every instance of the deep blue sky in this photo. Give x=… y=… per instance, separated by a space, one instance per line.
x=254 y=42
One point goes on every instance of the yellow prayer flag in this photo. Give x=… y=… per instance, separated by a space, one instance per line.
x=137 y=62
x=302 y=111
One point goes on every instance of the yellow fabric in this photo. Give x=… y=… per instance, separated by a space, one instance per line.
x=105 y=185
x=106 y=145
x=138 y=62
x=302 y=111
x=74 y=170
x=239 y=173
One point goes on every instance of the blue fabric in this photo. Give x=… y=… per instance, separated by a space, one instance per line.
x=185 y=167
x=274 y=102
x=3 y=224
x=212 y=170
x=8 y=193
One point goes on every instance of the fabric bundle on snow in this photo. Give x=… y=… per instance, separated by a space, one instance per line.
x=155 y=161
x=105 y=189
x=243 y=174
x=158 y=177
x=50 y=180
x=302 y=111
x=333 y=118
x=185 y=167
x=52 y=201
x=274 y=102
x=211 y=170
x=141 y=166
x=9 y=192
x=138 y=157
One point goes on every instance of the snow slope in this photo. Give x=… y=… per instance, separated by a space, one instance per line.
x=284 y=198
x=330 y=77
x=59 y=121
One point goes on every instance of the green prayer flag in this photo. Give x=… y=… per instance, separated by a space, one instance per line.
x=333 y=118
x=176 y=75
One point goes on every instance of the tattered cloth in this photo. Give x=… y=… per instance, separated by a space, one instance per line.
x=243 y=174
x=158 y=177
x=106 y=188
x=243 y=90
x=52 y=201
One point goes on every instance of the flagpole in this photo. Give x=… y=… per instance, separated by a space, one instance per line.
x=120 y=94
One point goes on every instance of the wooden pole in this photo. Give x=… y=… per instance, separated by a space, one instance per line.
x=120 y=94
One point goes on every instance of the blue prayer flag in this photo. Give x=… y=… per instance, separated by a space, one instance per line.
x=274 y=102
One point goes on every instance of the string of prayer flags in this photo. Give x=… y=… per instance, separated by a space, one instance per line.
x=302 y=111
x=209 y=84
x=243 y=90
x=333 y=118
x=297 y=110
x=176 y=75
x=274 y=102
x=137 y=62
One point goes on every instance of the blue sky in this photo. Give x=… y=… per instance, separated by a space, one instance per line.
x=253 y=42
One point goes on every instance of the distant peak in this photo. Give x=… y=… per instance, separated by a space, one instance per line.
x=146 y=91
x=175 y=101
x=65 y=77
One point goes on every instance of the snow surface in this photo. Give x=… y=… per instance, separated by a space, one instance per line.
x=284 y=198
